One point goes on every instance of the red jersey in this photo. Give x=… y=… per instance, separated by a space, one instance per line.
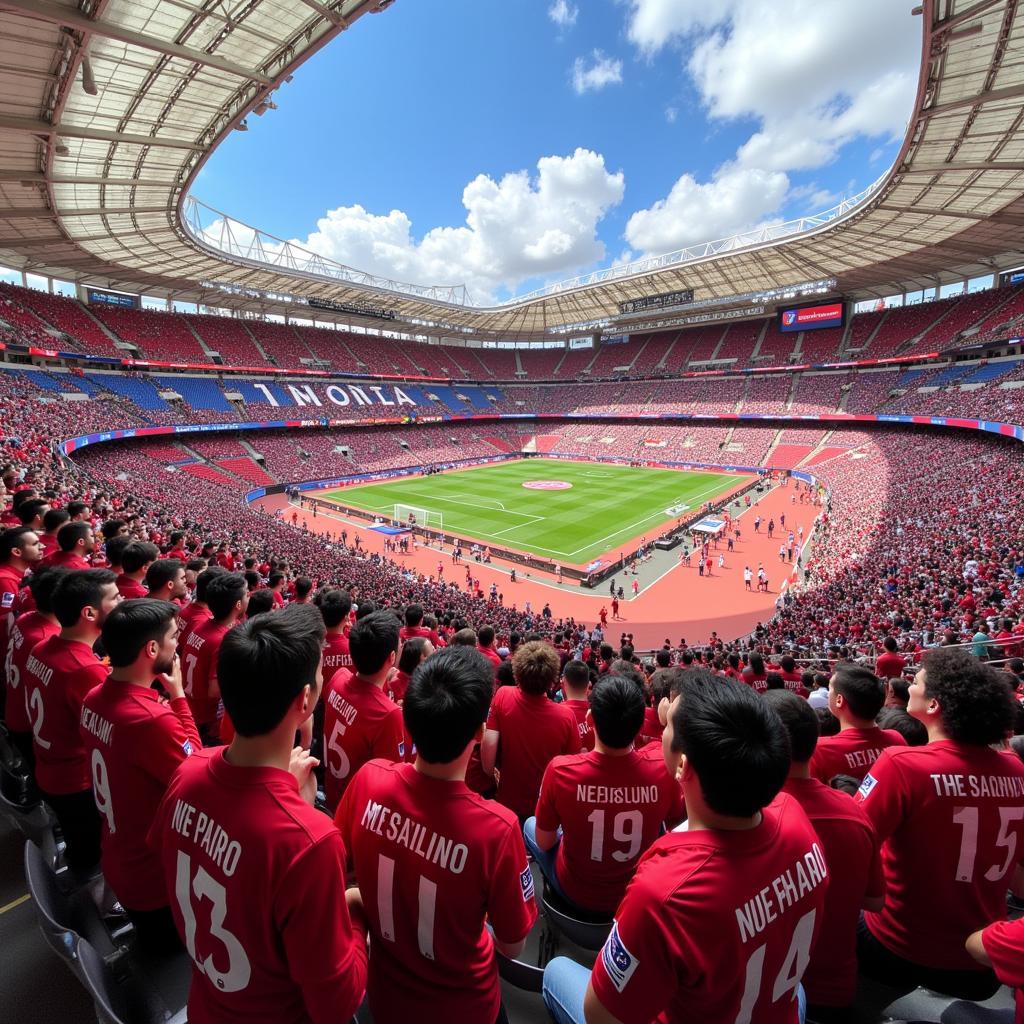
x=408 y=632
x=336 y=654
x=533 y=730
x=889 y=665
x=950 y=818
x=135 y=744
x=1004 y=944
x=199 y=668
x=48 y=543
x=66 y=560
x=717 y=926
x=610 y=809
x=10 y=585
x=360 y=723
x=58 y=675
x=256 y=877
x=129 y=588
x=580 y=708
x=852 y=752
x=652 y=728
x=192 y=616
x=397 y=685
x=434 y=861
x=491 y=655
x=29 y=629
x=851 y=852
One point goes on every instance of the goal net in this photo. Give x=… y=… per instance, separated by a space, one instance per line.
x=412 y=515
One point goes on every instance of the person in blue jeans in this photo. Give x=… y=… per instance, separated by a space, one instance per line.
x=719 y=920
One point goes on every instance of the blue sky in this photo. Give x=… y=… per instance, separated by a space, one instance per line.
x=506 y=145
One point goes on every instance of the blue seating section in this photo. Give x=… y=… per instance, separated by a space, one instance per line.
x=983 y=374
x=947 y=376
x=46 y=381
x=135 y=389
x=449 y=397
x=81 y=382
x=199 y=392
x=477 y=397
x=250 y=393
x=910 y=377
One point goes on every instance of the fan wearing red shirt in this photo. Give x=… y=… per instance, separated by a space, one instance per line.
x=889 y=665
x=485 y=645
x=719 y=920
x=855 y=696
x=165 y=581
x=950 y=816
x=662 y=682
x=19 y=551
x=135 y=743
x=435 y=862
x=852 y=854
x=336 y=607
x=227 y=598
x=30 y=628
x=53 y=520
x=414 y=651
x=59 y=672
x=1001 y=947
x=610 y=804
x=525 y=729
x=256 y=875
x=793 y=679
x=360 y=721
x=413 y=626
x=755 y=674
x=275 y=584
x=75 y=543
x=576 y=687
x=135 y=561
x=197 y=611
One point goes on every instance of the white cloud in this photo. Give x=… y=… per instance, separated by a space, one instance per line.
x=736 y=199
x=516 y=229
x=671 y=113
x=603 y=71
x=563 y=13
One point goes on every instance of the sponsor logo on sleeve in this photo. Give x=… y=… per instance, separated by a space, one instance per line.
x=867 y=785
x=619 y=963
x=526 y=883
x=187 y=747
x=7 y=600
x=401 y=749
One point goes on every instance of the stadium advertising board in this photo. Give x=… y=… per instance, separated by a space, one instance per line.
x=354 y=308
x=812 y=318
x=102 y=297
x=657 y=301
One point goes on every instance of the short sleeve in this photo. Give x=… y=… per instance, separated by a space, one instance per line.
x=1004 y=944
x=511 y=903
x=636 y=974
x=883 y=796
x=548 y=817
x=165 y=745
x=326 y=956
x=494 y=714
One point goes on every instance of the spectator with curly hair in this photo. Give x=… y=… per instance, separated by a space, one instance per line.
x=950 y=816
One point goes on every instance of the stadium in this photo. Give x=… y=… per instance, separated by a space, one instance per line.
x=748 y=450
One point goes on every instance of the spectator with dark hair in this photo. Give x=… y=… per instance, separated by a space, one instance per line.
x=136 y=743
x=227 y=600
x=609 y=805
x=275 y=584
x=135 y=562
x=527 y=728
x=818 y=696
x=197 y=611
x=855 y=698
x=336 y=608
x=114 y=549
x=576 y=690
x=897 y=692
x=29 y=629
x=260 y=602
x=278 y=876
x=899 y=720
x=485 y=645
x=165 y=581
x=32 y=513
x=113 y=528
x=53 y=520
x=690 y=939
x=889 y=665
x=360 y=721
x=414 y=625
x=59 y=672
x=949 y=816
x=75 y=543
x=852 y=854
x=755 y=675
x=20 y=551
x=464 y=638
x=303 y=588
x=472 y=861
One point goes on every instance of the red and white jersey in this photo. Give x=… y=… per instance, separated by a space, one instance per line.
x=1004 y=944
x=610 y=810
x=10 y=585
x=199 y=668
x=717 y=926
x=580 y=708
x=336 y=654
x=191 y=616
x=256 y=879
x=950 y=818
x=58 y=675
x=852 y=854
x=135 y=743
x=434 y=861
x=533 y=730
x=29 y=629
x=852 y=752
x=360 y=723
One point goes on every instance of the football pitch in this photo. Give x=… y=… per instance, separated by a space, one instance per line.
x=604 y=507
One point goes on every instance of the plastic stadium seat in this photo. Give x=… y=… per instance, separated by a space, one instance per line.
x=127 y=992
x=63 y=917
x=519 y=974
x=586 y=933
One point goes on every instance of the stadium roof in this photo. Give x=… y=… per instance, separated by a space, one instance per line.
x=112 y=106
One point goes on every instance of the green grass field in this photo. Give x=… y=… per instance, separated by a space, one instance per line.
x=606 y=506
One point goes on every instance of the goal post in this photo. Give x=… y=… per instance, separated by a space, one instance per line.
x=421 y=517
